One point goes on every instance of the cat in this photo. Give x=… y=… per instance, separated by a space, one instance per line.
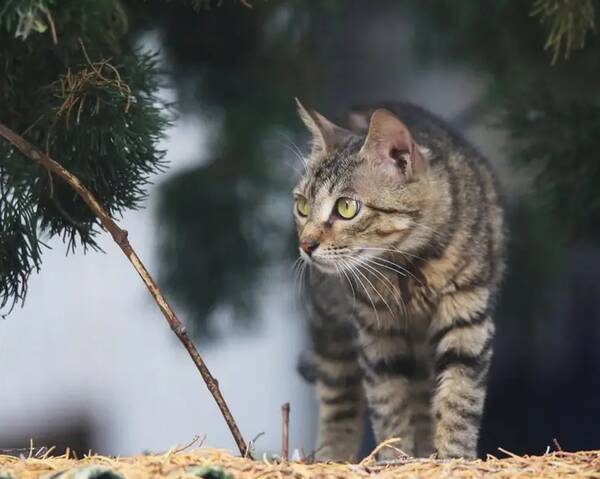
x=401 y=226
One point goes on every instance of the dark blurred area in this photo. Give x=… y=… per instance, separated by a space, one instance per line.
x=226 y=222
x=72 y=433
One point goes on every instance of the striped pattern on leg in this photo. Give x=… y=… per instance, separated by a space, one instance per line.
x=461 y=336
x=388 y=367
x=341 y=409
x=421 y=390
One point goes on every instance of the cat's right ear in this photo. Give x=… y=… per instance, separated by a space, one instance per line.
x=326 y=135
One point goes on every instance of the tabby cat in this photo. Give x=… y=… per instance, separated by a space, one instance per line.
x=401 y=226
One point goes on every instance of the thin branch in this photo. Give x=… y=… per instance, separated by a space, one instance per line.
x=557 y=445
x=120 y=237
x=285 y=432
x=190 y=444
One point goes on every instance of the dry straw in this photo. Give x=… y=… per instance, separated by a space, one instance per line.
x=185 y=464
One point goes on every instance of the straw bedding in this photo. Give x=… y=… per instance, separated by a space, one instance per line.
x=218 y=464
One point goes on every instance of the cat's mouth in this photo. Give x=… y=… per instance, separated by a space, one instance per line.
x=324 y=265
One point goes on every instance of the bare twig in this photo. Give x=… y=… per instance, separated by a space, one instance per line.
x=370 y=459
x=557 y=445
x=190 y=444
x=508 y=453
x=120 y=237
x=285 y=432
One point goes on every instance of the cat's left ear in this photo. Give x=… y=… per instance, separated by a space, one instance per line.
x=390 y=143
x=326 y=135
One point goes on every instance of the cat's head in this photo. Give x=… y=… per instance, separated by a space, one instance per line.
x=361 y=195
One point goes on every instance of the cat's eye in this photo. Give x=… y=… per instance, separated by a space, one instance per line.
x=302 y=206
x=347 y=208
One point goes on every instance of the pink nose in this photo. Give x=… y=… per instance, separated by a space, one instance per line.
x=308 y=246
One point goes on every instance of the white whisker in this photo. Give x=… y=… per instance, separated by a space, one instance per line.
x=342 y=270
x=403 y=271
x=295 y=150
x=391 y=287
x=299 y=273
x=398 y=295
x=394 y=267
x=296 y=265
x=355 y=270
x=303 y=279
x=360 y=265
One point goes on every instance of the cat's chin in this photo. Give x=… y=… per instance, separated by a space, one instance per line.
x=327 y=268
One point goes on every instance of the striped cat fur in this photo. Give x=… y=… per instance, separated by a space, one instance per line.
x=401 y=294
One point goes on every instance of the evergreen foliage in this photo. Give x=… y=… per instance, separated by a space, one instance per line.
x=569 y=20
x=549 y=110
x=71 y=83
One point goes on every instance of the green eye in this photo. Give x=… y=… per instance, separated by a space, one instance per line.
x=302 y=206
x=347 y=208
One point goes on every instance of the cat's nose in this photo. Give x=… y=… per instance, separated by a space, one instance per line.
x=308 y=246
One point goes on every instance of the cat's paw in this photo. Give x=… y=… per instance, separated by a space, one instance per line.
x=444 y=453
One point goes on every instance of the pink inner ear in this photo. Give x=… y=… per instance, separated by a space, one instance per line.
x=389 y=141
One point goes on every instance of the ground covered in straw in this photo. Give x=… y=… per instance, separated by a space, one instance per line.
x=217 y=464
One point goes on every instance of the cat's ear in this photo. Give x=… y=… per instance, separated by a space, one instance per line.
x=326 y=135
x=390 y=143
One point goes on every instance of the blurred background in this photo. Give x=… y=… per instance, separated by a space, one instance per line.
x=89 y=362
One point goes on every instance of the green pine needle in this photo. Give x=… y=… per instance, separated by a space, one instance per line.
x=101 y=119
x=569 y=20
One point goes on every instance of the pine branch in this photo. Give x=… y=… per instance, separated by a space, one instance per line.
x=121 y=238
x=570 y=21
x=20 y=245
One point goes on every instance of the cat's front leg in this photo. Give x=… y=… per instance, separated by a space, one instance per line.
x=387 y=364
x=341 y=408
x=461 y=337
